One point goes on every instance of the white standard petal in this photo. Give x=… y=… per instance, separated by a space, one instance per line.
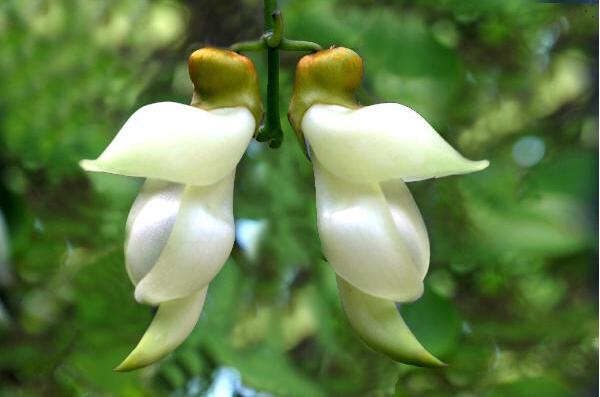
x=149 y=225
x=173 y=322
x=381 y=142
x=409 y=222
x=198 y=246
x=360 y=239
x=178 y=143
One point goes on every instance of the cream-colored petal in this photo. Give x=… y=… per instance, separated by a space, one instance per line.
x=149 y=225
x=409 y=222
x=173 y=322
x=178 y=143
x=360 y=239
x=199 y=244
x=380 y=326
x=381 y=142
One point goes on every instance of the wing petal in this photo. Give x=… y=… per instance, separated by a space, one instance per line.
x=408 y=221
x=149 y=225
x=360 y=239
x=198 y=246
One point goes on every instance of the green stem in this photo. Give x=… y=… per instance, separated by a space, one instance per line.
x=246 y=46
x=273 y=40
x=272 y=117
x=299 y=45
x=271 y=130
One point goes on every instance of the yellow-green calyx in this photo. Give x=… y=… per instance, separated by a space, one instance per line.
x=224 y=78
x=331 y=77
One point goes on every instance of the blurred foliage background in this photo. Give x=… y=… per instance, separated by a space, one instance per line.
x=511 y=298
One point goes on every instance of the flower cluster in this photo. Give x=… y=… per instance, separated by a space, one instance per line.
x=180 y=230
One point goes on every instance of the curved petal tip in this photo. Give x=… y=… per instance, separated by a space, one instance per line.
x=467 y=167
x=379 y=324
x=171 y=325
x=480 y=165
x=100 y=166
x=90 y=165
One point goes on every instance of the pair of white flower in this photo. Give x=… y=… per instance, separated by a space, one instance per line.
x=181 y=231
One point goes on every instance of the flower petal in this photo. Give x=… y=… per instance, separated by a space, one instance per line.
x=178 y=143
x=381 y=142
x=149 y=225
x=173 y=322
x=380 y=326
x=409 y=222
x=198 y=246
x=361 y=241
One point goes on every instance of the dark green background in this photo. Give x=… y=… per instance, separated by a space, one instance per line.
x=511 y=300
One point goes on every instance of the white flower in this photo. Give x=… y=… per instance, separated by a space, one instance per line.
x=371 y=230
x=180 y=230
